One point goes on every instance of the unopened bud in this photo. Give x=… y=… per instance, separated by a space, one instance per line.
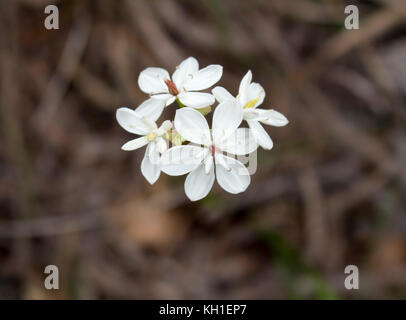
x=176 y=138
x=204 y=111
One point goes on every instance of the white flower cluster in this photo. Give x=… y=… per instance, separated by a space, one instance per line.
x=187 y=145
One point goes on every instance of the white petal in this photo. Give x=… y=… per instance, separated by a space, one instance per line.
x=198 y=183
x=253 y=114
x=180 y=160
x=167 y=97
x=221 y=161
x=257 y=114
x=221 y=94
x=226 y=119
x=244 y=85
x=166 y=125
x=196 y=99
x=149 y=123
x=162 y=145
x=256 y=92
x=152 y=80
x=135 y=144
x=204 y=78
x=241 y=142
x=151 y=109
x=152 y=153
x=185 y=71
x=150 y=171
x=234 y=180
x=208 y=163
x=262 y=137
x=192 y=126
x=273 y=118
x=130 y=121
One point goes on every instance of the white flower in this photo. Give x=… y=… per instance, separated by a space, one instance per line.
x=250 y=96
x=199 y=160
x=138 y=122
x=186 y=80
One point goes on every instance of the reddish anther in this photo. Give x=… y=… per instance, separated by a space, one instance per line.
x=171 y=87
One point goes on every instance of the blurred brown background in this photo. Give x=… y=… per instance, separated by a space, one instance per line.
x=330 y=193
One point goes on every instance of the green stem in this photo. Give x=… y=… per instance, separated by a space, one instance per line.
x=181 y=105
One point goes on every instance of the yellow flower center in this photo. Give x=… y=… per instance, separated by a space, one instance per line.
x=250 y=103
x=151 y=136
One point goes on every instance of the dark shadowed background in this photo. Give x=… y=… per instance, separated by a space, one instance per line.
x=329 y=194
